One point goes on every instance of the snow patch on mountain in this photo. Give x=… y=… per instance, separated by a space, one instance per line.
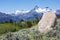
x=42 y=10
x=21 y=11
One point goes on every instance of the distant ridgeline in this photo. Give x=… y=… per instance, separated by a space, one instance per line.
x=33 y=14
x=21 y=17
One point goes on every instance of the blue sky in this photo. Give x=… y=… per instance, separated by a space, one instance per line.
x=12 y=5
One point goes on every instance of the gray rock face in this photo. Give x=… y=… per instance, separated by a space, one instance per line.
x=47 y=21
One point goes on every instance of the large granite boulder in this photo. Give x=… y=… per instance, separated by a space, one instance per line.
x=47 y=22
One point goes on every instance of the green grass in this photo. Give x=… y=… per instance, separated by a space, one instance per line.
x=15 y=26
x=8 y=27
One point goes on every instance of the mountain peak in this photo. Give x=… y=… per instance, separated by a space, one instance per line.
x=36 y=7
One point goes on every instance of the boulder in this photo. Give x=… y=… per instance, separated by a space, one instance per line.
x=47 y=22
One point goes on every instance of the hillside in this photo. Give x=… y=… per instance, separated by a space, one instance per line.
x=34 y=34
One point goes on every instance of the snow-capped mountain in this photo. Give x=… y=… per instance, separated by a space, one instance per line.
x=28 y=15
x=4 y=17
x=19 y=15
x=36 y=9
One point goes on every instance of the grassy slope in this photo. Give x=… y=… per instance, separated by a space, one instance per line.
x=7 y=27
x=12 y=27
x=34 y=34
